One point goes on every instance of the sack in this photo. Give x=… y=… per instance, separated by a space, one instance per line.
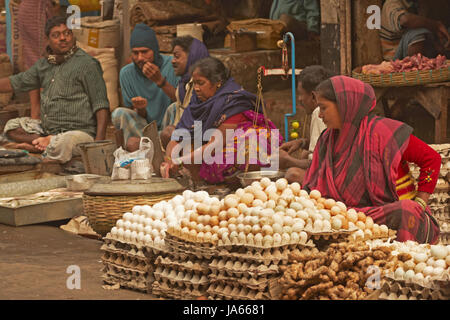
x=123 y=165
x=5 y=71
x=268 y=32
x=97 y=33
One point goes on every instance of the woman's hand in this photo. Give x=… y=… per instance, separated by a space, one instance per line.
x=294 y=145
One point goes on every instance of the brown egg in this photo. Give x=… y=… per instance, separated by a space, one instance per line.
x=193 y=216
x=247 y=198
x=321 y=200
x=361 y=217
x=369 y=223
x=335 y=210
x=320 y=206
x=223 y=215
x=214 y=221
x=360 y=225
x=329 y=203
x=345 y=223
x=202 y=208
x=232 y=213
x=214 y=210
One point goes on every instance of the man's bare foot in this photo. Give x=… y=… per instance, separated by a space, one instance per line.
x=42 y=142
x=28 y=147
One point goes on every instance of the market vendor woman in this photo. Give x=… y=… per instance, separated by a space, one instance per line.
x=218 y=103
x=362 y=160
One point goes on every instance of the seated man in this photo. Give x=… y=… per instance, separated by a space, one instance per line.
x=308 y=80
x=186 y=51
x=74 y=105
x=404 y=33
x=148 y=87
x=302 y=17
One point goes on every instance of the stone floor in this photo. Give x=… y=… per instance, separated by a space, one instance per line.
x=34 y=261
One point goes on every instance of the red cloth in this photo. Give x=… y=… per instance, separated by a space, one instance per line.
x=358 y=164
x=428 y=160
x=236 y=119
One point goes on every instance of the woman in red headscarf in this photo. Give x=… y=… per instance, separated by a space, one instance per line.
x=361 y=160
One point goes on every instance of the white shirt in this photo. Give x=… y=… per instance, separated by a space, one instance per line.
x=316 y=128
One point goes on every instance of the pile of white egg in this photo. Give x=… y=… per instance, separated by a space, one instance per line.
x=148 y=224
x=428 y=261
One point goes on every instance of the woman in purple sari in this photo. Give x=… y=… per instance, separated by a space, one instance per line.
x=219 y=107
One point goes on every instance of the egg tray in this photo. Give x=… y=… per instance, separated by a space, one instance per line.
x=235 y=267
x=111 y=249
x=246 y=246
x=441 y=282
x=260 y=283
x=190 y=248
x=444 y=238
x=209 y=249
x=120 y=245
x=180 y=284
x=126 y=278
x=140 y=286
x=186 y=279
x=176 y=237
x=130 y=262
x=395 y=291
x=266 y=257
x=162 y=289
x=439 y=196
x=197 y=265
x=218 y=291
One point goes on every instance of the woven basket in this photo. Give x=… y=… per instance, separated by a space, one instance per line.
x=400 y=79
x=103 y=211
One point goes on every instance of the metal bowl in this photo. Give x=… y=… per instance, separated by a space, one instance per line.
x=247 y=178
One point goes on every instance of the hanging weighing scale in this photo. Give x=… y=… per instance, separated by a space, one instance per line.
x=284 y=72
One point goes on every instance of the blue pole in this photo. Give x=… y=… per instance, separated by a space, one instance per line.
x=294 y=108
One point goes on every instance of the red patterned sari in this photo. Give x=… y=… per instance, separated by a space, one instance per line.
x=358 y=164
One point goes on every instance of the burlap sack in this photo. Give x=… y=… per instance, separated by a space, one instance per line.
x=5 y=71
x=153 y=12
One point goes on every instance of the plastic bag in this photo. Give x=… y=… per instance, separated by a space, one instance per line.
x=135 y=165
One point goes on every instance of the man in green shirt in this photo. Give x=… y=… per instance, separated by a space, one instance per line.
x=74 y=104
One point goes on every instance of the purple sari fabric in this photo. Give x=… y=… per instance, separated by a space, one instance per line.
x=197 y=51
x=248 y=133
x=229 y=100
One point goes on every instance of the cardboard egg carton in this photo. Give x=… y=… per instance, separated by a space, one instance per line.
x=221 y=291
x=125 y=260
x=260 y=283
x=249 y=247
x=120 y=245
x=266 y=257
x=441 y=282
x=178 y=238
x=191 y=248
x=124 y=272
x=439 y=198
x=183 y=265
x=193 y=282
x=235 y=267
x=444 y=238
x=133 y=284
x=394 y=290
x=163 y=289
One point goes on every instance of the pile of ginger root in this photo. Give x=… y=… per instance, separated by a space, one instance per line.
x=338 y=273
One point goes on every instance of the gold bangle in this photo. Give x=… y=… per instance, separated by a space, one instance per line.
x=421 y=202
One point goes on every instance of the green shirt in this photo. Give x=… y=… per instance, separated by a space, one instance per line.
x=72 y=92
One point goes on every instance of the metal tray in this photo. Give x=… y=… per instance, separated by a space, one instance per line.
x=42 y=212
x=247 y=178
